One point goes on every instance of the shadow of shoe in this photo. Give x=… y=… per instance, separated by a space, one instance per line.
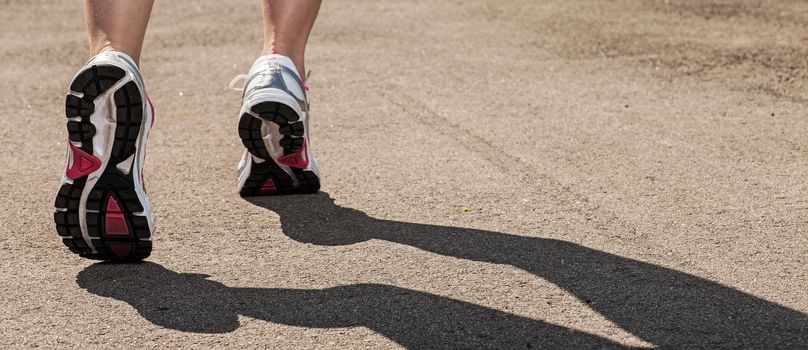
x=662 y=306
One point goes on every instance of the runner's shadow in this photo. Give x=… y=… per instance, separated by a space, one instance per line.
x=662 y=306
x=193 y=303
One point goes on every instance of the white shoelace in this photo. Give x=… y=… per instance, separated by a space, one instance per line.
x=242 y=78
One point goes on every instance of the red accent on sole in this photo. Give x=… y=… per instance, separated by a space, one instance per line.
x=114 y=221
x=268 y=187
x=83 y=163
x=121 y=250
x=296 y=160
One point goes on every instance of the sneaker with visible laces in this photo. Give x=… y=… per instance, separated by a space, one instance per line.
x=102 y=211
x=274 y=128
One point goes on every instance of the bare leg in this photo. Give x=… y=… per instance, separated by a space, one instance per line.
x=118 y=25
x=287 y=24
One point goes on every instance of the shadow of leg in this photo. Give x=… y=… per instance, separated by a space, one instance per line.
x=659 y=305
x=414 y=319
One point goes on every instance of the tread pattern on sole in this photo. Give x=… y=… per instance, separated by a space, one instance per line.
x=292 y=129
x=91 y=83
x=129 y=116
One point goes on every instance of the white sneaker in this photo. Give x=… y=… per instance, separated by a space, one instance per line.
x=102 y=211
x=274 y=126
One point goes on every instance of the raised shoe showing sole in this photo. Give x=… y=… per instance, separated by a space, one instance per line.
x=102 y=211
x=265 y=175
x=273 y=126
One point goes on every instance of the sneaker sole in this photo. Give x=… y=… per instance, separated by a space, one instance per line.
x=101 y=217
x=268 y=178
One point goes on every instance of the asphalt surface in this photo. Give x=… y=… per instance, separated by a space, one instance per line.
x=508 y=174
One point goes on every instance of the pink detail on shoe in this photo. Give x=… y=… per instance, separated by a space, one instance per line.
x=268 y=187
x=83 y=163
x=306 y=87
x=151 y=106
x=298 y=160
x=114 y=221
x=121 y=250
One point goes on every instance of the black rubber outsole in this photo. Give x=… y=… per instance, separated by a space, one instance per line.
x=292 y=129
x=112 y=183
